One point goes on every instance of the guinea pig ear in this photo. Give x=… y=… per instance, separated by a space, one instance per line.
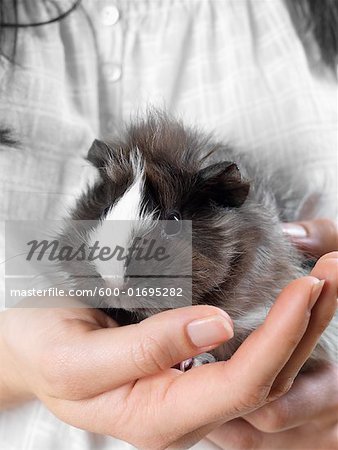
x=99 y=153
x=222 y=184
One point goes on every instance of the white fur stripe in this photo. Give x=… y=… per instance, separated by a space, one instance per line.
x=127 y=208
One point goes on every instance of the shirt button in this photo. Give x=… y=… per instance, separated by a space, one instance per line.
x=109 y=15
x=112 y=72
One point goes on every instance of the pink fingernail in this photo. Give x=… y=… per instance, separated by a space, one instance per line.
x=209 y=331
x=294 y=230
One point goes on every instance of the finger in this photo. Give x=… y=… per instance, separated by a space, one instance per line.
x=236 y=435
x=221 y=391
x=314 y=395
x=301 y=296
x=242 y=383
x=309 y=437
x=322 y=313
x=192 y=438
x=315 y=237
x=113 y=357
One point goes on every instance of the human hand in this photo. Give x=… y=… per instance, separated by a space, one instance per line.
x=307 y=416
x=120 y=381
x=315 y=237
x=304 y=418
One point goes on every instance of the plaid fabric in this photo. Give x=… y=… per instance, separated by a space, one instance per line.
x=236 y=67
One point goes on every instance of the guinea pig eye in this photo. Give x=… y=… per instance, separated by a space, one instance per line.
x=173 y=224
x=106 y=211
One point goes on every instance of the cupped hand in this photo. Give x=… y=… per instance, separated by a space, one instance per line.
x=306 y=416
x=119 y=381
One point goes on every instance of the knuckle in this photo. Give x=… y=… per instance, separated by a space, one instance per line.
x=332 y=230
x=254 y=397
x=273 y=418
x=281 y=389
x=150 y=356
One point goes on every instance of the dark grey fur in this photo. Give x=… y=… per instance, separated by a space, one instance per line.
x=241 y=260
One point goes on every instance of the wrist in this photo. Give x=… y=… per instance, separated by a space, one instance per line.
x=13 y=388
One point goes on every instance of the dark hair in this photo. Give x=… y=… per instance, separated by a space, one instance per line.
x=10 y=24
x=6 y=137
x=321 y=18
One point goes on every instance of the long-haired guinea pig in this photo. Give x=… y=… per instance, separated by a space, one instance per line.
x=241 y=261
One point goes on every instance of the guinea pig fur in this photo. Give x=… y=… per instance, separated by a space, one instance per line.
x=241 y=261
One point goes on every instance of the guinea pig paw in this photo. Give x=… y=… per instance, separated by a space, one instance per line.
x=186 y=364
x=200 y=360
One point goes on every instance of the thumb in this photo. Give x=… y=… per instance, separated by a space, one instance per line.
x=104 y=359
x=314 y=237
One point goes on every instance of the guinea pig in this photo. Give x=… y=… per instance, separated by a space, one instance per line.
x=160 y=170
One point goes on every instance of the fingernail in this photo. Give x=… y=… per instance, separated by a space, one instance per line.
x=209 y=331
x=226 y=317
x=294 y=230
x=316 y=290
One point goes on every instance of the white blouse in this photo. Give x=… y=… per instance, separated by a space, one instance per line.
x=235 y=67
